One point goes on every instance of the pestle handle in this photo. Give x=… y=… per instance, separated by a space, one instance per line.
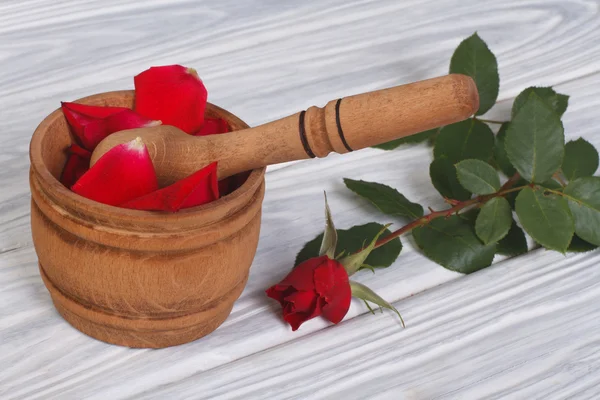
x=343 y=125
x=351 y=123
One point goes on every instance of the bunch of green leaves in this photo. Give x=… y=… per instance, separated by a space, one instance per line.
x=549 y=191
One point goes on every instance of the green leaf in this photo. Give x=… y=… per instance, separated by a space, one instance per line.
x=469 y=139
x=385 y=198
x=578 y=245
x=494 y=220
x=470 y=215
x=443 y=177
x=584 y=201
x=552 y=184
x=558 y=102
x=365 y=293
x=412 y=139
x=478 y=177
x=329 y=242
x=453 y=244
x=546 y=218
x=352 y=240
x=581 y=159
x=472 y=57
x=535 y=140
x=500 y=152
x=514 y=243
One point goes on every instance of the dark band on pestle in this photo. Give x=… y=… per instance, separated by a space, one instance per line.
x=303 y=138
x=339 y=125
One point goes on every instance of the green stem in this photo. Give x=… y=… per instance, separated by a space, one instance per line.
x=564 y=195
x=556 y=192
x=491 y=121
x=479 y=200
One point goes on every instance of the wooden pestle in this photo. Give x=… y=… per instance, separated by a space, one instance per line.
x=343 y=125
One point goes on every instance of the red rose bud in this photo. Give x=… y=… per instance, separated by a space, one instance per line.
x=79 y=115
x=173 y=94
x=197 y=189
x=124 y=173
x=77 y=164
x=98 y=129
x=318 y=286
x=213 y=126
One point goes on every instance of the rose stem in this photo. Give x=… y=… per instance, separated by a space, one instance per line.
x=505 y=189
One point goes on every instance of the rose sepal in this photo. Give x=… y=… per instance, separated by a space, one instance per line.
x=353 y=262
x=330 y=236
x=366 y=294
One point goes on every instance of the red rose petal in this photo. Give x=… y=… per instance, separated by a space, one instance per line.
x=122 y=174
x=206 y=191
x=294 y=319
x=77 y=164
x=277 y=292
x=197 y=189
x=297 y=318
x=324 y=276
x=80 y=115
x=92 y=111
x=98 y=129
x=80 y=151
x=339 y=304
x=339 y=296
x=173 y=94
x=74 y=169
x=302 y=301
x=302 y=276
x=213 y=126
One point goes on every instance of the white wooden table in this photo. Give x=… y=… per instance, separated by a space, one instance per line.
x=525 y=328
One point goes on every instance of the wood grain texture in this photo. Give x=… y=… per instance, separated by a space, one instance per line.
x=287 y=56
x=527 y=328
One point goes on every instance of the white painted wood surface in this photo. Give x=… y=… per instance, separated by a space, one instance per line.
x=525 y=328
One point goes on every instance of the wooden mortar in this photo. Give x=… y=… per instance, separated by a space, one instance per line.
x=139 y=278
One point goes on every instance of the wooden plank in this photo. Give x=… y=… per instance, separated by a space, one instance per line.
x=525 y=328
x=255 y=324
x=282 y=55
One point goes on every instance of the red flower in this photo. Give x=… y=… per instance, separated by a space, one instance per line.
x=124 y=173
x=199 y=188
x=173 y=94
x=318 y=286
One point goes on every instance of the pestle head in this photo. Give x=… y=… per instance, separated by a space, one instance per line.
x=174 y=153
x=156 y=138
